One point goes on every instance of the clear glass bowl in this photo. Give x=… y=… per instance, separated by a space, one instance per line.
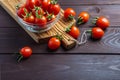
x=38 y=28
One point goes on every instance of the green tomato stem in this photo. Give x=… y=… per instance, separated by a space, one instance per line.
x=89 y=31
x=20 y=58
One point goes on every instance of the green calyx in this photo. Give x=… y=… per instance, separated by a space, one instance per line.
x=68 y=28
x=17 y=6
x=80 y=20
x=94 y=20
x=20 y=57
x=27 y=14
x=59 y=37
x=49 y=16
x=36 y=8
x=37 y=15
x=54 y=1
x=70 y=17
x=89 y=31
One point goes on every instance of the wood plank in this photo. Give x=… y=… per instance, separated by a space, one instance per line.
x=9 y=6
x=112 y=12
x=61 y=67
x=12 y=39
x=88 y=2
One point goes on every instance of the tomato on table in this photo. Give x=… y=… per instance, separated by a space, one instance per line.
x=54 y=43
x=69 y=13
x=83 y=17
x=24 y=52
x=102 y=22
x=97 y=33
x=73 y=31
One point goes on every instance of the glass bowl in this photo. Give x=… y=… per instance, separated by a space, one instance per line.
x=38 y=28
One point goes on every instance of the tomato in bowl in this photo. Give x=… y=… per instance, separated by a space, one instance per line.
x=36 y=19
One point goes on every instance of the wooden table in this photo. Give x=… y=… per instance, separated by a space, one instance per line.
x=102 y=61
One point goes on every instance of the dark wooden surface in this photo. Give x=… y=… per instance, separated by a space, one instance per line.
x=97 y=66
x=61 y=67
x=13 y=37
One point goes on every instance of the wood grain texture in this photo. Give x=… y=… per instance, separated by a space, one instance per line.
x=61 y=67
x=12 y=39
x=89 y=2
x=58 y=28
x=112 y=12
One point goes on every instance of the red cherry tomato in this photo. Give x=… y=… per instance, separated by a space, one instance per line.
x=102 y=22
x=54 y=8
x=40 y=11
x=29 y=19
x=83 y=17
x=54 y=43
x=41 y=21
x=45 y=4
x=26 y=52
x=69 y=13
x=50 y=17
x=21 y=12
x=97 y=33
x=30 y=4
x=74 y=32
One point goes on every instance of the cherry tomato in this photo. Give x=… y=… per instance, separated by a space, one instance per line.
x=30 y=4
x=38 y=10
x=45 y=4
x=74 y=32
x=21 y=12
x=83 y=17
x=102 y=22
x=50 y=17
x=29 y=19
x=26 y=52
x=97 y=33
x=69 y=13
x=54 y=8
x=54 y=43
x=41 y=21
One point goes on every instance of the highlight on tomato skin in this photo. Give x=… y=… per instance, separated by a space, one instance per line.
x=54 y=43
x=101 y=22
x=22 y=11
x=73 y=31
x=97 y=33
x=83 y=17
x=54 y=8
x=30 y=4
x=69 y=13
x=24 y=52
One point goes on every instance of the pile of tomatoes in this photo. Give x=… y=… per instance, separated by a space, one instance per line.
x=38 y=11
